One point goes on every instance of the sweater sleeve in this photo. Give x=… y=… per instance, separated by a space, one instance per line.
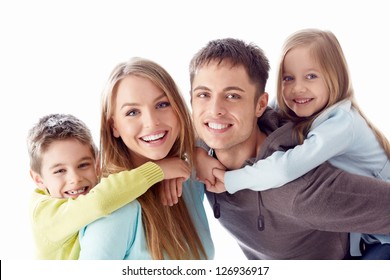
x=55 y=219
x=328 y=139
x=330 y=199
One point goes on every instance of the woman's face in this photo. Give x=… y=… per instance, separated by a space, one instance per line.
x=144 y=119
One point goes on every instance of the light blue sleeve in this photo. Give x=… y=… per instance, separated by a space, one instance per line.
x=327 y=139
x=110 y=237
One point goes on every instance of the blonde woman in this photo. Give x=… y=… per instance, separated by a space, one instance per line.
x=144 y=118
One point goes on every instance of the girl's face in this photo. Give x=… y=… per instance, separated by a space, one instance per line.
x=144 y=119
x=303 y=87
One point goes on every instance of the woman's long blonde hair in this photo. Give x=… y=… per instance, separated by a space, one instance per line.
x=327 y=51
x=169 y=230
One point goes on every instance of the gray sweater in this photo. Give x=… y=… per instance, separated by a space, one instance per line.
x=308 y=218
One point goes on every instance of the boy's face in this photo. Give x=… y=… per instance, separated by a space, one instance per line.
x=68 y=169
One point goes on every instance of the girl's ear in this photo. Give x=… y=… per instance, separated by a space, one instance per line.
x=261 y=104
x=37 y=178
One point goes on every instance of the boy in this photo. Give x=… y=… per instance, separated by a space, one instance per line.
x=64 y=166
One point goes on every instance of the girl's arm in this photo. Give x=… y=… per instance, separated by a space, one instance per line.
x=328 y=139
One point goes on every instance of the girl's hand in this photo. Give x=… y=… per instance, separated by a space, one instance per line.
x=204 y=165
x=219 y=185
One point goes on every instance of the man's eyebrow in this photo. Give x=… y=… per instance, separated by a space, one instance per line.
x=233 y=88
x=201 y=88
x=225 y=89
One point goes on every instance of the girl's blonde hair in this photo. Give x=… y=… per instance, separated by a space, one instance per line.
x=327 y=51
x=169 y=230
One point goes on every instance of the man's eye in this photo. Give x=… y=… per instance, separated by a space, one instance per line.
x=202 y=94
x=233 y=96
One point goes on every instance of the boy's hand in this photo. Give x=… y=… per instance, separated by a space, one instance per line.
x=219 y=185
x=174 y=168
x=176 y=171
x=204 y=165
x=170 y=191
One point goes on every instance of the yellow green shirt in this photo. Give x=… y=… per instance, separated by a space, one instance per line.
x=56 y=222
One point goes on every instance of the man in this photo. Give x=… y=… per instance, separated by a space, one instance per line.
x=308 y=218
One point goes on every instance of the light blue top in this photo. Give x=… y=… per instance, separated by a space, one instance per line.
x=121 y=235
x=339 y=135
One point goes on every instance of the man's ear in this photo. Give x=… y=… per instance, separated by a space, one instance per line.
x=261 y=104
x=37 y=178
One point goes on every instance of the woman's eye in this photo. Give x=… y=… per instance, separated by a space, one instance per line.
x=163 y=104
x=132 y=113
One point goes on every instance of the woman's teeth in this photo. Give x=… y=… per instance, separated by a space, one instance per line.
x=153 y=137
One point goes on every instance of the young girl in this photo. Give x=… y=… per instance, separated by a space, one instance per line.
x=314 y=91
x=145 y=118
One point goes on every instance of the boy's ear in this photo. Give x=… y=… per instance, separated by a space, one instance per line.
x=261 y=104
x=97 y=165
x=37 y=179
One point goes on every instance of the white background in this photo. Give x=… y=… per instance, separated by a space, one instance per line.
x=55 y=57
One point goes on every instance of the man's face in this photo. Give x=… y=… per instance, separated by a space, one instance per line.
x=223 y=107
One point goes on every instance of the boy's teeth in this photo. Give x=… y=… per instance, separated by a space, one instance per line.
x=77 y=191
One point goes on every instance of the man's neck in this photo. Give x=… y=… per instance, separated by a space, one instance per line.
x=234 y=157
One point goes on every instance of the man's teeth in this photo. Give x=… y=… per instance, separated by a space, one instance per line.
x=77 y=191
x=217 y=125
x=153 y=137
